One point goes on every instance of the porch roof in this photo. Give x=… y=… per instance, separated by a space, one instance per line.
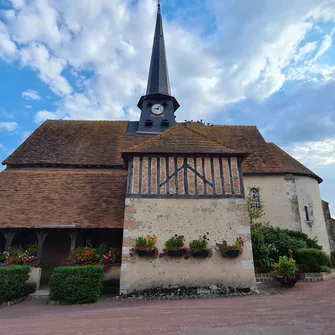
x=35 y=198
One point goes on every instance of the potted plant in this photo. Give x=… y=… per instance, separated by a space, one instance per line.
x=174 y=247
x=199 y=248
x=286 y=272
x=231 y=251
x=145 y=247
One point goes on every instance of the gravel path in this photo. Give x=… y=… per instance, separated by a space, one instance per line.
x=308 y=308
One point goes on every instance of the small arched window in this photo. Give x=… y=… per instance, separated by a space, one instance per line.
x=254 y=198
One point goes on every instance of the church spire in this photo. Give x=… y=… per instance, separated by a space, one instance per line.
x=158 y=81
x=158 y=106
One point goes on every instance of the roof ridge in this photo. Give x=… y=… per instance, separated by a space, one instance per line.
x=211 y=139
x=166 y=133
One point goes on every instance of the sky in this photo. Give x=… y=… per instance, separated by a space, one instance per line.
x=262 y=62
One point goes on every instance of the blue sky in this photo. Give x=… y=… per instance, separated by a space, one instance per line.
x=263 y=62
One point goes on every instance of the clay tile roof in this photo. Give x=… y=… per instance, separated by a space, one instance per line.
x=282 y=161
x=88 y=198
x=100 y=143
x=72 y=143
x=182 y=140
x=263 y=158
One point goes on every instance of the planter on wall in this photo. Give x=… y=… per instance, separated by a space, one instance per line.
x=233 y=253
x=144 y=253
x=176 y=253
x=200 y=254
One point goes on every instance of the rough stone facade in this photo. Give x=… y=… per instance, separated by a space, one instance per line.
x=329 y=225
x=223 y=219
x=286 y=198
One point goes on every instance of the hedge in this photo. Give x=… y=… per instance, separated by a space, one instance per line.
x=316 y=260
x=76 y=284
x=13 y=282
x=270 y=243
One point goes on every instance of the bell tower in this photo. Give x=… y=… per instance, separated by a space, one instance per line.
x=158 y=105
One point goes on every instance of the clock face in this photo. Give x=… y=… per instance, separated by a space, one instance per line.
x=157 y=109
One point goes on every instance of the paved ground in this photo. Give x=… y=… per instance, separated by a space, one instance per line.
x=308 y=308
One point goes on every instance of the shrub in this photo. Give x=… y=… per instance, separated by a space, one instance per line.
x=261 y=251
x=77 y=284
x=270 y=243
x=13 y=282
x=315 y=259
x=285 y=268
x=304 y=268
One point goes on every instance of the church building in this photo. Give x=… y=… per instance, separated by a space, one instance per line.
x=75 y=183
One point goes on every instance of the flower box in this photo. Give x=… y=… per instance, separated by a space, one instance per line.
x=176 y=253
x=287 y=282
x=200 y=254
x=233 y=253
x=145 y=253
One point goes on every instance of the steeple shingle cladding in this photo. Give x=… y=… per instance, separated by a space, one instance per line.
x=100 y=143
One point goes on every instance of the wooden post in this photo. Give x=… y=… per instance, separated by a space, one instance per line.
x=9 y=239
x=41 y=238
x=73 y=236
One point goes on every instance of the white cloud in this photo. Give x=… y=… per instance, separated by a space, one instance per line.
x=28 y=106
x=43 y=115
x=50 y=68
x=31 y=95
x=8 y=126
x=249 y=56
x=7 y=46
x=315 y=153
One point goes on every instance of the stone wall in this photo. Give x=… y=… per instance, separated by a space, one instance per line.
x=223 y=219
x=284 y=198
x=329 y=226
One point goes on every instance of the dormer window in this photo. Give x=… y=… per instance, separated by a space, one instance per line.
x=254 y=198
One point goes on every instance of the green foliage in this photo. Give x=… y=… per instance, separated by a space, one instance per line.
x=311 y=243
x=175 y=243
x=285 y=268
x=261 y=251
x=146 y=243
x=315 y=259
x=77 y=284
x=304 y=268
x=224 y=246
x=270 y=243
x=201 y=244
x=280 y=242
x=13 y=282
x=326 y=269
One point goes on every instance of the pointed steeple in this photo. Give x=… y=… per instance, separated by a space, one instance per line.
x=158 y=106
x=159 y=81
